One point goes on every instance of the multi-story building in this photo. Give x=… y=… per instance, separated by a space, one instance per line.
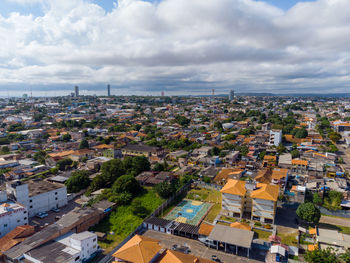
x=232 y=95
x=38 y=196
x=255 y=201
x=67 y=248
x=12 y=215
x=275 y=137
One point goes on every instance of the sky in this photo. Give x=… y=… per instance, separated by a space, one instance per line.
x=181 y=47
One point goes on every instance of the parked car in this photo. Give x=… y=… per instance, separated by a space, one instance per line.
x=215 y=258
x=42 y=214
x=56 y=210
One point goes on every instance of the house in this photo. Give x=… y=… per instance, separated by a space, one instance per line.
x=141 y=249
x=285 y=161
x=16 y=236
x=256 y=201
x=141 y=150
x=279 y=175
x=228 y=173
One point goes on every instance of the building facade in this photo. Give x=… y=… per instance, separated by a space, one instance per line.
x=40 y=196
x=250 y=200
x=12 y=215
x=275 y=137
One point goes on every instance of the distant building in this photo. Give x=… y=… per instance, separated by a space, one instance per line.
x=108 y=90
x=76 y=89
x=232 y=95
x=25 y=96
x=275 y=137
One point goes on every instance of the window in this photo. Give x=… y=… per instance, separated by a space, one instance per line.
x=25 y=218
x=55 y=193
x=5 y=225
x=31 y=206
x=55 y=198
x=18 y=221
x=25 y=212
x=94 y=239
x=30 y=201
x=77 y=258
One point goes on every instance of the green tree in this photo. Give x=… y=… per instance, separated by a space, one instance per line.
x=309 y=212
x=66 y=137
x=78 y=180
x=138 y=209
x=158 y=167
x=84 y=144
x=281 y=148
x=64 y=164
x=316 y=199
x=295 y=153
x=165 y=190
x=322 y=256
x=126 y=184
x=5 y=149
x=40 y=156
x=111 y=170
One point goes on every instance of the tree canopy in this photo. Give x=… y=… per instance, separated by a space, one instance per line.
x=309 y=212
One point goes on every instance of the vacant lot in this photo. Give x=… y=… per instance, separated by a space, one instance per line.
x=121 y=222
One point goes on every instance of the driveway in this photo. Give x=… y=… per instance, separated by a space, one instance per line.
x=200 y=250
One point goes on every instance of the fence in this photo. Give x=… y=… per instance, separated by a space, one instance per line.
x=208 y=186
x=109 y=257
x=341 y=213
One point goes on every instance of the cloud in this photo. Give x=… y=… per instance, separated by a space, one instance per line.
x=179 y=45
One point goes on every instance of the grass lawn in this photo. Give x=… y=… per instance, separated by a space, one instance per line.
x=123 y=222
x=207 y=195
x=289 y=239
x=229 y=219
x=261 y=234
x=342 y=229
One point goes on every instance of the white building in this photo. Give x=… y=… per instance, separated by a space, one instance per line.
x=275 y=137
x=12 y=215
x=40 y=196
x=69 y=248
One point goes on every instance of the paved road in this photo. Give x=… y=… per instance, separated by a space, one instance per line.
x=335 y=221
x=200 y=250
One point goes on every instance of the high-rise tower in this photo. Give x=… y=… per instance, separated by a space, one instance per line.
x=108 y=90
x=76 y=88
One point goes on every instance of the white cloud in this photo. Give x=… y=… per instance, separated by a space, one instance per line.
x=180 y=44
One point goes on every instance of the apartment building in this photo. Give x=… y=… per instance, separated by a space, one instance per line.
x=275 y=137
x=12 y=215
x=256 y=201
x=38 y=196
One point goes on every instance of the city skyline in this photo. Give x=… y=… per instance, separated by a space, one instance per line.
x=179 y=47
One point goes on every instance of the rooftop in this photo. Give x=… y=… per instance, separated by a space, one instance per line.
x=40 y=187
x=231 y=235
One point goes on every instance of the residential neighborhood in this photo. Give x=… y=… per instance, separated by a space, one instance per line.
x=174 y=179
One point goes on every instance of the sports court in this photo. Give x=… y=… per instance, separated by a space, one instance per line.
x=189 y=211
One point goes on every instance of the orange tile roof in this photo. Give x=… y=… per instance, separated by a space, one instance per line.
x=171 y=256
x=103 y=146
x=234 y=187
x=312 y=247
x=61 y=154
x=299 y=162
x=138 y=249
x=269 y=158
x=205 y=229
x=241 y=226
x=312 y=231
x=279 y=173
x=264 y=176
x=226 y=172
x=266 y=192
x=15 y=237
